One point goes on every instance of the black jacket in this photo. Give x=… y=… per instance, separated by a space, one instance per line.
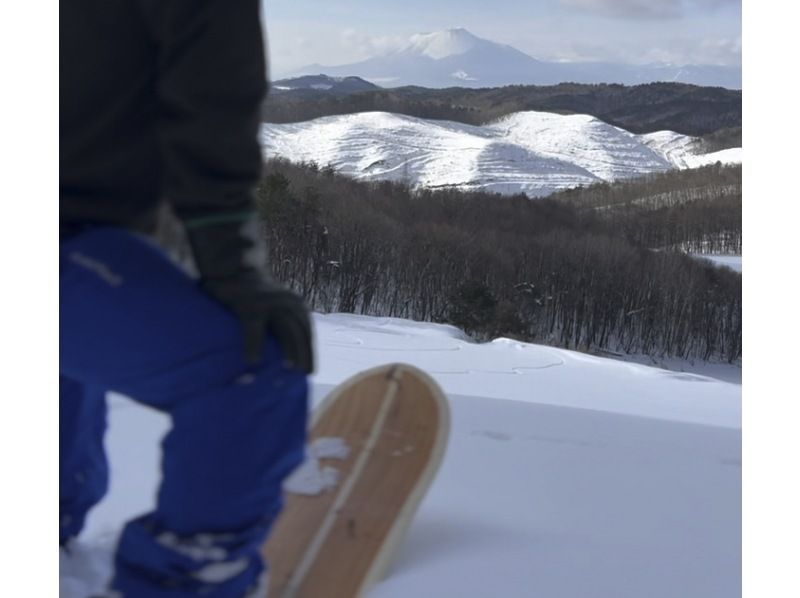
x=159 y=99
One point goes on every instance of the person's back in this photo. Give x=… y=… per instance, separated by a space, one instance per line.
x=160 y=102
x=158 y=98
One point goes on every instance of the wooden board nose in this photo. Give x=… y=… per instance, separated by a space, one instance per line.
x=395 y=420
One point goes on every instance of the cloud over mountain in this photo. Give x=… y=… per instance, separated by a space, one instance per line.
x=456 y=57
x=644 y=9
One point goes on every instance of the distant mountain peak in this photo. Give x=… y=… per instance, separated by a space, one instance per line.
x=442 y=44
x=458 y=57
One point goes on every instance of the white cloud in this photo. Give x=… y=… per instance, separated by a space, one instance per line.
x=372 y=45
x=297 y=44
x=672 y=50
x=645 y=9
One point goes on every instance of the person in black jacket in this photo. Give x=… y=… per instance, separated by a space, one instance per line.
x=160 y=103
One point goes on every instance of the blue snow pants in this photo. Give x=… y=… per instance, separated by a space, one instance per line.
x=132 y=322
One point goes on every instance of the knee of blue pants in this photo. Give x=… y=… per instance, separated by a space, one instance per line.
x=225 y=460
x=231 y=447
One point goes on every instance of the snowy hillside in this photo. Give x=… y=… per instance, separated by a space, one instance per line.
x=566 y=476
x=457 y=57
x=535 y=153
x=677 y=149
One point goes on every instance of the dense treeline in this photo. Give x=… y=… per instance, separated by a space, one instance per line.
x=719 y=140
x=679 y=107
x=697 y=210
x=540 y=270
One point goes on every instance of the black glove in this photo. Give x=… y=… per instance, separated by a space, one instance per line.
x=230 y=257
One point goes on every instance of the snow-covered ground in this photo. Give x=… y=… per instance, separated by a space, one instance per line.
x=566 y=476
x=535 y=153
x=734 y=262
x=678 y=150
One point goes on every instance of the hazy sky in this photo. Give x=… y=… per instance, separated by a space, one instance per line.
x=333 y=32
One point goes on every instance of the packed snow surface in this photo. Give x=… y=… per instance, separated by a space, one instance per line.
x=734 y=262
x=566 y=475
x=535 y=153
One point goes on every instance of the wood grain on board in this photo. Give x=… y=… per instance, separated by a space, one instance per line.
x=404 y=435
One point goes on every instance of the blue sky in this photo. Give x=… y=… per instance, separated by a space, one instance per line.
x=679 y=31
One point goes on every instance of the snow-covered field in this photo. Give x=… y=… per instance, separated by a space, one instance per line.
x=734 y=262
x=566 y=476
x=535 y=153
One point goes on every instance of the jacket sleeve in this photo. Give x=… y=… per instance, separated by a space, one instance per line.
x=211 y=81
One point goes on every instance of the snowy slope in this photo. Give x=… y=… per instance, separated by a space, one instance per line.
x=734 y=262
x=567 y=476
x=606 y=151
x=677 y=150
x=535 y=153
x=444 y=44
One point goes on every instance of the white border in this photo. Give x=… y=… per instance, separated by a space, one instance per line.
x=28 y=250
x=771 y=427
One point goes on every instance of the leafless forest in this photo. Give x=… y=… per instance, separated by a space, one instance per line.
x=697 y=210
x=594 y=269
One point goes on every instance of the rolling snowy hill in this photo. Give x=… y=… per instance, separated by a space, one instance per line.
x=566 y=475
x=678 y=150
x=456 y=57
x=535 y=153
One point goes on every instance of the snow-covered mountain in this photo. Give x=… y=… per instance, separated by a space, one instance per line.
x=535 y=153
x=444 y=44
x=448 y=58
x=456 y=57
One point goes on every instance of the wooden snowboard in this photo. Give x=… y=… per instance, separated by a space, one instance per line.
x=395 y=421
